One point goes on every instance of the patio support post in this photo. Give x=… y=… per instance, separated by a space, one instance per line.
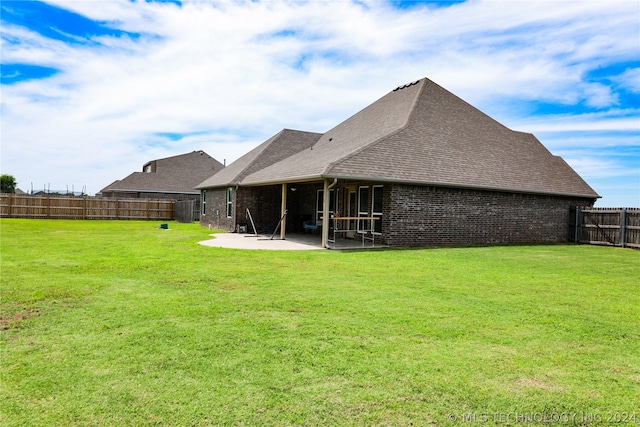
x=325 y=214
x=283 y=209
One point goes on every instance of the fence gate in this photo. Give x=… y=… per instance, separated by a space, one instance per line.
x=606 y=226
x=186 y=211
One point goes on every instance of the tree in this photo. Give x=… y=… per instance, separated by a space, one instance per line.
x=7 y=184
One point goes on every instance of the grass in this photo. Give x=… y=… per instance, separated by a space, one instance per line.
x=119 y=323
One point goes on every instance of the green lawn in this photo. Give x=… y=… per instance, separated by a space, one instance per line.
x=119 y=323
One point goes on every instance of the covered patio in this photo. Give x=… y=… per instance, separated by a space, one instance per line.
x=338 y=214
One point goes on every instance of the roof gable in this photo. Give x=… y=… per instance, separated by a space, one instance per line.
x=282 y=145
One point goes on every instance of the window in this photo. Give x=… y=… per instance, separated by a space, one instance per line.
x=363 y=209
x=376 y=208
x=229 y=202
x=204 y=202
x=352 y=209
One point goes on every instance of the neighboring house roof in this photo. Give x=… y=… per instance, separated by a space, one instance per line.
x=176 y=174
x=422 y=134
x=282 y=145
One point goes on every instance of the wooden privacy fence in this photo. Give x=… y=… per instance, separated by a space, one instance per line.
x=186 y=211
x=67 y=207
x=607 y=226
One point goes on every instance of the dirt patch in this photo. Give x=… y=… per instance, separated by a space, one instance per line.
x=13 y=320
x=533 y=382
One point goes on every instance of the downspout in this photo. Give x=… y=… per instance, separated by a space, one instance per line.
x=325 y=211
x=333 y=184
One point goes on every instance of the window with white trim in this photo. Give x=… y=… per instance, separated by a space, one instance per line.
x=204 y=202
x=363 y=209
x=229 y=202
x=352 y=209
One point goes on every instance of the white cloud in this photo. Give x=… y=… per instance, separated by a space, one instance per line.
x=630 y=79
x=221 y=70
x=612 y=120
x=601 y=168
x=599 y=95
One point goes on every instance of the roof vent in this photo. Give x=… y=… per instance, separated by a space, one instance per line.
x=407 y=85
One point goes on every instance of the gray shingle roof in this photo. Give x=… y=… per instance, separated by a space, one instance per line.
x=382 y=118
x=176 y=174
x=283 y=145
x=449 y=142
x=421 y=133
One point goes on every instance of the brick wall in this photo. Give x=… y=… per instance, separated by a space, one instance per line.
x=263 y=203
x=412 y=215
x=215 y=214
x=434 y=216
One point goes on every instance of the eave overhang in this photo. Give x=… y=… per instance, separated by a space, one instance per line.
x=302 y=179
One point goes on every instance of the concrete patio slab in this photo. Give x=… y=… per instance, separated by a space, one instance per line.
x=249 y=241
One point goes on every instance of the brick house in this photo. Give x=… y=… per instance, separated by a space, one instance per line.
x=418 y=167
x=172 y=177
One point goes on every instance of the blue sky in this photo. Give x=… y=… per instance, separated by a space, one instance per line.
x=93 y=90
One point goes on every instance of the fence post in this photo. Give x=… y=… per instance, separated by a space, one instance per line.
x=623 y=227
x=10 y=203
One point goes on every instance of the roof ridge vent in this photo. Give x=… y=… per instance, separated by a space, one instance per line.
x=407 y=85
